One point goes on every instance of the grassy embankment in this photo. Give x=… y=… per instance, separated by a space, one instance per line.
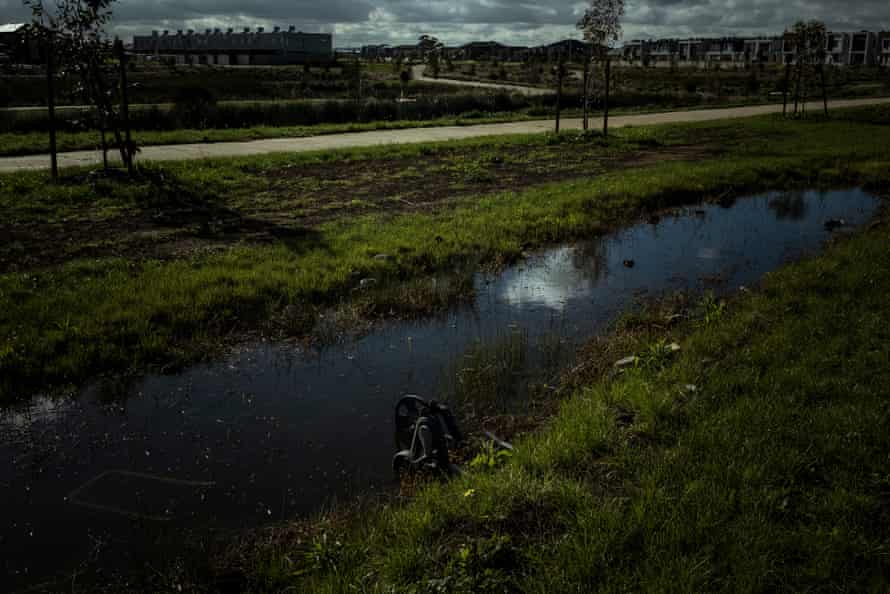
x=70 y=321
x=755 y=461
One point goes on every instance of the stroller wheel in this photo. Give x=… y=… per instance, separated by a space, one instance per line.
x=401 y=463
x=408 y=410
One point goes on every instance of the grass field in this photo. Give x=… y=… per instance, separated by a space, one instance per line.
x=101 y=275
x=156 y=83
x=737 y=84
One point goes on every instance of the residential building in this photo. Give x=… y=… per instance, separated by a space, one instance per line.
x=691 y=51
x=759 y=50
x=377 y=52
x=663 y=53
x=571 y=49
x=247 y=48
x=863 y=49
x=16 y=48
x=884 y=48
x=635 y=52
x=407 y=52
x=487 y=50
x=842 y=49
x=726 y=51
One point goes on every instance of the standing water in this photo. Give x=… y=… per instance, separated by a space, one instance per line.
x=111 y=476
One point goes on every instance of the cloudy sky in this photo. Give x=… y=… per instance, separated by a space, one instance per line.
x=522 y=22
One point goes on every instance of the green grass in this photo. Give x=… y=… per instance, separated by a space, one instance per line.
x=68 y=323
x=34 y=143
x=29 y=143
x=753 y=461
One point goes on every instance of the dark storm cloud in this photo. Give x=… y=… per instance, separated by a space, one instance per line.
x=522 y=21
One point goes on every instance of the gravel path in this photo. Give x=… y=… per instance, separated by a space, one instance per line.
x=183 y=152
x=418 y=72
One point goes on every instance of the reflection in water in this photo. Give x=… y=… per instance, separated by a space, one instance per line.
x=555 y=278
x=790 y=205
x=278 y=431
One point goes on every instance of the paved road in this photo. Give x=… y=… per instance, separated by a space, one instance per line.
x=184 y=152
x=418 y=72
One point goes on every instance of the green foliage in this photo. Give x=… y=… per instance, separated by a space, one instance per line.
x=324 y=554
x=483 y=565
x=474 y=172
x=489 y=375
x=711 y=309
x=490 y=457
x=656 y=356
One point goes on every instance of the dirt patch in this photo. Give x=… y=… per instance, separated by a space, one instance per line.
x=315 y=194
x=291 y=202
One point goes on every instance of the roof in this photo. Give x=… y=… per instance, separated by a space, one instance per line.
x=483 y=44
x=12 y=28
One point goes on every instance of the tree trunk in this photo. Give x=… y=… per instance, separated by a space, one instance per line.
x=606 y=97
x=127 y=150
x=797 y=84
x=803 y=90
x=560 y=71
x=358 y=81
x=824 y=90
x=104 y=144
x=51 y=109
x=586 y=93
x=785 y=89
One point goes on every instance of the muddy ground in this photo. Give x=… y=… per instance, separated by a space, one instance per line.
x=288 y=203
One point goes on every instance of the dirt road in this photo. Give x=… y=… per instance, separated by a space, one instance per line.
x=418 y=72
x=383 y=137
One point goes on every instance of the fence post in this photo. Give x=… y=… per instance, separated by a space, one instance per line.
x=125 y=106
x=560 y=73
x=51 y=107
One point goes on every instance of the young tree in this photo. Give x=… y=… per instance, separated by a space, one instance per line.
x=560 y=78
x=808 y=41
x=42 y=29
x=585 y=92
x=601 y=25
x=431 y=50
x=82 y=48
x=356 y=75
x=404 y=79
x=818 y=50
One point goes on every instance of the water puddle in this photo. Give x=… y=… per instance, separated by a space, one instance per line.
x=275 y=432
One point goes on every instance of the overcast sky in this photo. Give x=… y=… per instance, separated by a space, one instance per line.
x=521 y=22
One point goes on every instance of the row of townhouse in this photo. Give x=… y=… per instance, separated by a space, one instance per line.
x=231 y=48
x=861 y=48
x=481 y=50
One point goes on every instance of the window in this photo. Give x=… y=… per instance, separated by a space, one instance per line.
x=887 y=44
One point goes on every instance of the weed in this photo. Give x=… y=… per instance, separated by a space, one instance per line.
x=484 y=565
x=474 y=173
x=324 y=554
x=656 y=356
x=711 y=309
x=489 y=376
x=490 y=457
